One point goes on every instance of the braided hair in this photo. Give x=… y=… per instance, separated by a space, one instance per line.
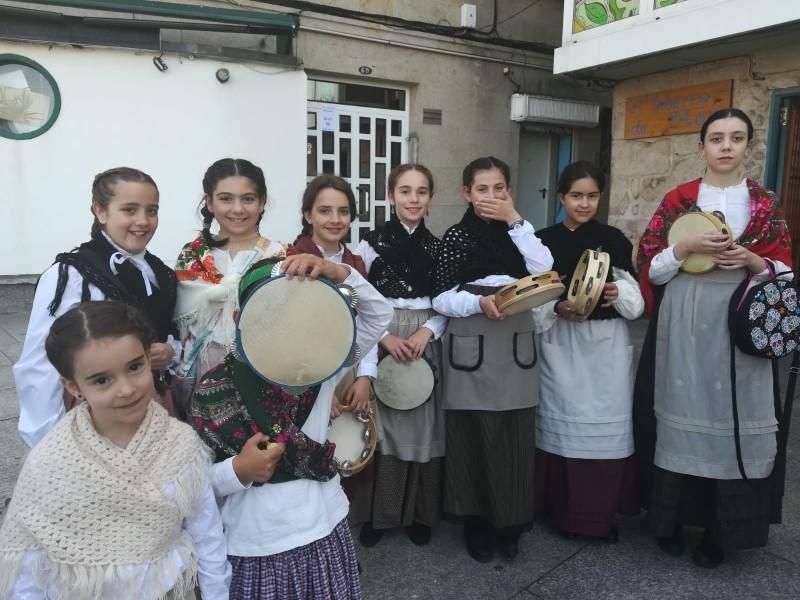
x=104 y=187
x=223 y=168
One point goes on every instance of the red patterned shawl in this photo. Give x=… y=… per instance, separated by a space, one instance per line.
x=767 y=234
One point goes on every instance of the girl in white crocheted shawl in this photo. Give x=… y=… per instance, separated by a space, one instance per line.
x=115 y=501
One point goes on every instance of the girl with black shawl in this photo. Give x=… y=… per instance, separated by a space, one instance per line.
x=115 y=265
x=490 y=371
x=399 y=257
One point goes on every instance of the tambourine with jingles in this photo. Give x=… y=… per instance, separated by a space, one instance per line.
x=356 y=437
x=691 y=224
x=529 y=292
x=295 y=333
x=588 y=281
x=403 y=385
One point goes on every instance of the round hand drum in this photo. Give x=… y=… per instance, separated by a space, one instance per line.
x=355 y=437
x=296 y=333
x=693 y=223
x=588 y=281
x=529 y=292
x=403 y=385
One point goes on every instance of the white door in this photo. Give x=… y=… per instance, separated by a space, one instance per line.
x=535 y=194
x=361 y=145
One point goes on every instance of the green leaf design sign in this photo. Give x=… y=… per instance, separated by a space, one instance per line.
x=595 y=13
x=663 y=3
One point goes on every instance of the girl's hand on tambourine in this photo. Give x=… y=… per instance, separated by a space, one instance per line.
x=308 y=266
x=356 y=398
x=418 y=341
x=610 y=293
x=489 y=308
x=702 y=243
x=258 y=459
x=399 y=348
x=161 y=356
x=336 y=407
x=566 y=310
x=737 y=257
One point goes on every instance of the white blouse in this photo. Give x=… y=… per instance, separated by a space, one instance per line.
x=734 y=203
x=537 y=260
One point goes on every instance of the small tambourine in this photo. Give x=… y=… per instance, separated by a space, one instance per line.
x=295 y=333
x=588 y=281
x=356 y=437
x=691 y=224
x=403 y=385
x=529 y=292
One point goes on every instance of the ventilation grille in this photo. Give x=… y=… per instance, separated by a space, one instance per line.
x=432 y=116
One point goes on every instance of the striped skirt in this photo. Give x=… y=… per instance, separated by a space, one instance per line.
x=321 y=570
x=489 y=465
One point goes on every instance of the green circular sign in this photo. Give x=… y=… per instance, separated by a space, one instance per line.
x=29 y=98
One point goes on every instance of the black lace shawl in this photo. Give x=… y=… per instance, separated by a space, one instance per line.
x=405 y=262
x=567 y=245
x=91 y=260
x=474 y=248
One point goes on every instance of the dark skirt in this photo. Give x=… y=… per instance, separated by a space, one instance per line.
x=359 y=489
x=406 y=492
x=583 y=495
x=740 y=511
x=320 y=570
x=489 y=465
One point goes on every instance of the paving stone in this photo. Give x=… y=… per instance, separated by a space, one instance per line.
x=15 y=324
x=9 y=407
x=6 y=377
x=10 y=347
x=13 y=451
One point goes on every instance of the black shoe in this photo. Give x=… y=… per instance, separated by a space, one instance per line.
x=419 y=534
x=508 y=541
x=672 y=544
x=708 y=554
x=613 y=536
x=369 y=536
x=478 y=540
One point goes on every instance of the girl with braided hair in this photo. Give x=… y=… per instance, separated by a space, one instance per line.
x=209 y=267
x=113 y=265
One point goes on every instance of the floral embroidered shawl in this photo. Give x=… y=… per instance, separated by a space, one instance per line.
x=767 y=234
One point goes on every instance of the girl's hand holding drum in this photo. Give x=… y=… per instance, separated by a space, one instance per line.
x=398 y=347
x=489 y=308
x=708 y=242
x=567 y=311
x=736 y=257
x=356 y=399
x=160 y=356
x=418 y=341
x=610 y=293
x=308 y=266
x=258 y=459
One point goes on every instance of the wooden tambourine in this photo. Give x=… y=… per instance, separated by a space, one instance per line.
x=295 y=333
x=588 y=281
x=403 y=385
x=691 y=224
x=529 y=292
x=356 y=437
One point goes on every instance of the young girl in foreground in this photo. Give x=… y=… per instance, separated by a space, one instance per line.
x=209 y=268
x=584 y=433
x=400 y=256
x=683 y=388
x=114 y=265
x=116 y=500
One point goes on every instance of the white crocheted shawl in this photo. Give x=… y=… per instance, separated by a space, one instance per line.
x=88 y=507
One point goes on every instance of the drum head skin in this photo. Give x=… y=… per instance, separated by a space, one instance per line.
x=690 y=224
x=529 y=292
x=403 y=385
x=295 y=333
x=588 y=281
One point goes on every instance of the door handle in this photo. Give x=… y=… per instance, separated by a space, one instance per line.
x=543 y=192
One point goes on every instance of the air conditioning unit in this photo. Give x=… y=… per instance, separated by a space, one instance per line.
x=560 y=111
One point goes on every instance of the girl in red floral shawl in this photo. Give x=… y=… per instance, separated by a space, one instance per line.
x=683 y=415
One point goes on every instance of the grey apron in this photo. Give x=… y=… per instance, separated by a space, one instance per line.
x=693 y=385
x=490 y=365
x=415 y=435
x=586 y=390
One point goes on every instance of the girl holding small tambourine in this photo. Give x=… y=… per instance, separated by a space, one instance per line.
x=683 y=415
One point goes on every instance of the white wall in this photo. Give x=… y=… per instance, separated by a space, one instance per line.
x=117 y=109
x=676 y=26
